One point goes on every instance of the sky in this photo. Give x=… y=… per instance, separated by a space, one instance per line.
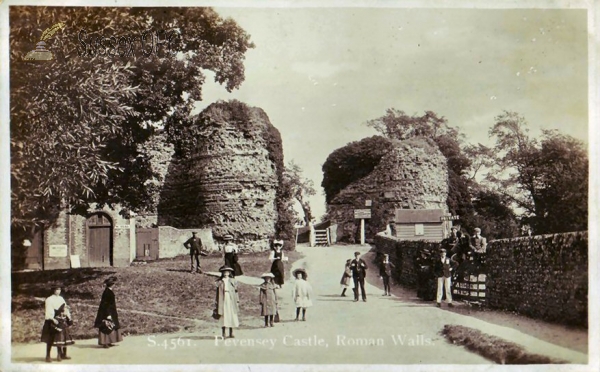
x=321 y=73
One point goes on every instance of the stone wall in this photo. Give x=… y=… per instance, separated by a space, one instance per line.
x=541 y=276
x=224 y=175
x=170 y=241
x=413 y=175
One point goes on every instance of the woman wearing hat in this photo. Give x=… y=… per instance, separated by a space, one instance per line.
x=56 y=325
x=230 y=251
x=277 y=257
x=107 y=318
x=227 y=301
x=268 y=299
x=302 y=293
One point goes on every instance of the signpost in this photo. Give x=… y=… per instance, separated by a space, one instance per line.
x=362 y=214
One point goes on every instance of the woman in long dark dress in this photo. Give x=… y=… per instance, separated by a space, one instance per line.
x=56 y=326
x=277 y=257
x=107 y=319
x=230 y=251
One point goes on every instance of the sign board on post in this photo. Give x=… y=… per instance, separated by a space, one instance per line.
x=57 y=250
x=362 y=213
x=368 y=203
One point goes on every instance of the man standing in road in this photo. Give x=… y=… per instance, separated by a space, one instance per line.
x=194 y=244
x=442 y=269
x=359 y=271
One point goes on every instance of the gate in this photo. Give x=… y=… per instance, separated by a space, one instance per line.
x=146 y=244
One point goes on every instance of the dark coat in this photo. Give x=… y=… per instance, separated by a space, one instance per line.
x=108 y=306
x=442 y=269
x=194 y=244
x=359 y=268
x=385 y=269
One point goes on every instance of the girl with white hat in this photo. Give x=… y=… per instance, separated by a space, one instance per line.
x=277 y=258
x=302 y=293
x=268 y=299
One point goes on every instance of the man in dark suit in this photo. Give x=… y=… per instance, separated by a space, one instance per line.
x=359 y=271
x=442 y=268
x=194 y=244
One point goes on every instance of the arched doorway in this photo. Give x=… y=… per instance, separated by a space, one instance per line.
x=99 y=240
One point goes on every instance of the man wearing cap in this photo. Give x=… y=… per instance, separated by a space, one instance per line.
x=477 y=242
x=194 y=244
x=442 y=269
x=359 y=271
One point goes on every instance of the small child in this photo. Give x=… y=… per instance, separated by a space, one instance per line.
x=268 y=299
x=62 y=337
x=385 y=272
x=302 y=293
x=346 y=281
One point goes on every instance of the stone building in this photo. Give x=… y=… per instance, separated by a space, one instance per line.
x=412 y=175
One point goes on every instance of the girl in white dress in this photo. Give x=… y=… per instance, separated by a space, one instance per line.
x=302 y=293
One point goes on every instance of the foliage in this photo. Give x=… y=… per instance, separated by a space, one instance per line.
x=548 y=179
x=77 y=121
x=301 y=188
x=351 y=163
x=493 y=215
x=492 y=347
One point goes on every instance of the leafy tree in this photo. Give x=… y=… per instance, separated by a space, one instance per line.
x=78 y=121
x=493 y=215
x=301 y=188
x=548 y=179
x=351 y=163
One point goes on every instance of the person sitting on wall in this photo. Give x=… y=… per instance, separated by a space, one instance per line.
x=478 y=245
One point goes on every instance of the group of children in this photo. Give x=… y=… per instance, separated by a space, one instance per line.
x=226 y=307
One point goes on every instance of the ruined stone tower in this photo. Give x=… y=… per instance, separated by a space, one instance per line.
x=226 y=176
x=412 y=175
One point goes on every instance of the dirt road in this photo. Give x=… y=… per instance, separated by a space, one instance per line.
x=384 y=330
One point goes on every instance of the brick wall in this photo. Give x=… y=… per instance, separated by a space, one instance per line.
x=542 y=276
x=70 y=230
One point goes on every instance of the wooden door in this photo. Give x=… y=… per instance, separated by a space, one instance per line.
x=99 y=240
x=147 y=244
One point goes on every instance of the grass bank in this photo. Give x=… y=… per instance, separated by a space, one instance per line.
x=158 y=297
x=492 y=347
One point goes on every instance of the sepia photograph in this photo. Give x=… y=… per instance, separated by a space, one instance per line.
x=308 y=186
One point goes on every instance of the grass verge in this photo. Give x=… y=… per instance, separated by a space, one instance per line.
x=492 y=347
x=158 y=297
